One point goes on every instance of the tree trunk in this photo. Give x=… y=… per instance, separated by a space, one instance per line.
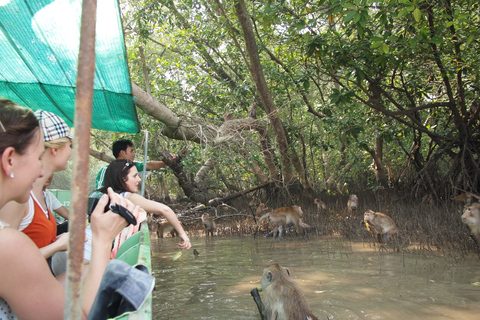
x=174 y=127
x=380 y=170
x=264 y=92
x=101 y=156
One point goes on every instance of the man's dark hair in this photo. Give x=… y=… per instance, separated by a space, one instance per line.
x=120 y=145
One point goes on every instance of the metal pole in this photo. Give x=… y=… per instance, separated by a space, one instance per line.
x=79 y=187
x=142 y=191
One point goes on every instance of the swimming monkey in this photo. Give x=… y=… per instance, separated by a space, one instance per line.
x=282 y=297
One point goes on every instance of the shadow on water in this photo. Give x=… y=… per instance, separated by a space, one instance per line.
x=341 y=280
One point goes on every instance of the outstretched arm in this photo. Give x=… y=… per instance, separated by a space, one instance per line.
x=167 y=212
x=154 y=165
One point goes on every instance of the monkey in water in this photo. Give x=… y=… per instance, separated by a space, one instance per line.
x=471 y=217
x=352 y=204
x=209 y=224
x=282 y=297
x=281 y=217
x=381 y=224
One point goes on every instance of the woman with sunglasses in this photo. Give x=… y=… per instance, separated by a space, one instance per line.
x=122 y=177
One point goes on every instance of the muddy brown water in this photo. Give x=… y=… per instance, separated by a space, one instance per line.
x=341 y=279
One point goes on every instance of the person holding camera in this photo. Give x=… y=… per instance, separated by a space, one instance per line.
x=122 y=176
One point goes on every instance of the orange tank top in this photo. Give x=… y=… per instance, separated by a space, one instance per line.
x=42 y=230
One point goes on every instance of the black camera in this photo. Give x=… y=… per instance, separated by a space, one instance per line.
x=93 y=200
x=118 y=209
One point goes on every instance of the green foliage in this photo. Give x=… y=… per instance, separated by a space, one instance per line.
x=404 y=71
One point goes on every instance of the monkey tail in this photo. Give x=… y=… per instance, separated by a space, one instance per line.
x=304 y=225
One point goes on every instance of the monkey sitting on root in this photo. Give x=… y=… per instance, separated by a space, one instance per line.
x=282 y=297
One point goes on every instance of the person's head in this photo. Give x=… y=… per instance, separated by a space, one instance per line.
x=21 y=149
x=57 y=137
x=121 y=175
x=123 y=149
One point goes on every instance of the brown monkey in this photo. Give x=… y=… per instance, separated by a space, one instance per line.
x=209 y=224
x=159 y=227
x=252 y=113
x=320 y=205
x=471 y=217
x=352 y=204
x=427 y=199
x=228 y=116
x=261 y=209
x=282 y=297
x=466 y=198
x=281 y=217
x=381 y=224
x=164 y=227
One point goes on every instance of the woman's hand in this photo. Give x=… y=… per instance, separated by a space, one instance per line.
x=184 y=242
x=108 y=224
x=62 y=241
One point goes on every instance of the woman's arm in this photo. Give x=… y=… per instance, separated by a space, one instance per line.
x=59 y=245
x=62 y=212
x=167 y=212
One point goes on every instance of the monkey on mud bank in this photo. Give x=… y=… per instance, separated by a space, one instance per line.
x=282 y=297
x=281 y=217
x=160 y=227
x=381 y=224
x=321 y=206
x=209 y=224
x=352 y=205
x=471 y=217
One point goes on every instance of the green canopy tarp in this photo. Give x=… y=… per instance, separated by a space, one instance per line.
x=39 y=44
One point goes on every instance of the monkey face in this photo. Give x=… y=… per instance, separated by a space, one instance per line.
x=369 y=215
x=471 y=215
x=299 y=210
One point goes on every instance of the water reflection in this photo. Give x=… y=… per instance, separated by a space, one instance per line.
x=341 y=280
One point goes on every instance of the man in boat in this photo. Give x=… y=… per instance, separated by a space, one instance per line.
x=123 y=149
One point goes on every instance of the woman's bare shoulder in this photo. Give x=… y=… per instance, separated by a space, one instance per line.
x=16 y=243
